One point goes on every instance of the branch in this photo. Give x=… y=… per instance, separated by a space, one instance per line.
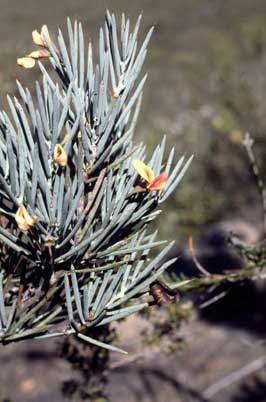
x=235 y=376
x=248 y=144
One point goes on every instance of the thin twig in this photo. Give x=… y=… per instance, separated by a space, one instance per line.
x=235 y=376
x=213 y=300
x=127 y=361
x=248 y=144
x=194 y=258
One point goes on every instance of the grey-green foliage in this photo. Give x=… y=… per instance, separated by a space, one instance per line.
x=85 y=260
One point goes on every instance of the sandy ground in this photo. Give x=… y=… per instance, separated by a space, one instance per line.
x=31 y=371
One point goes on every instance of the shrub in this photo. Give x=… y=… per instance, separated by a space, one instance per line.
x=76 y=196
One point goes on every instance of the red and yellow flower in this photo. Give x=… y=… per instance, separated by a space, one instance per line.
x=147 y=174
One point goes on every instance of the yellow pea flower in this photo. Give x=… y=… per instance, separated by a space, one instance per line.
x=60 y=156
x=24 y=220
x=37 y=37
x=29 y=60
x=26 y=62
x=38 y=54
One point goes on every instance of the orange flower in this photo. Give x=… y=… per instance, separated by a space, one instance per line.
x=24 y=220
x=152 y=182
x=60 y=156
x=38 y=37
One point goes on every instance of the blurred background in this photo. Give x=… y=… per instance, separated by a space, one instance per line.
x=206 y=88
